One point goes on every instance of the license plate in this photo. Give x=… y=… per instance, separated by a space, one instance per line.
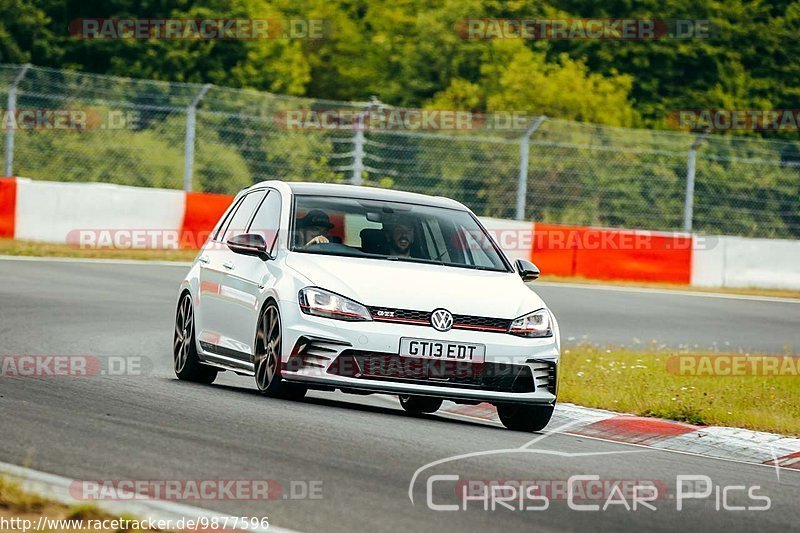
x=442 y=350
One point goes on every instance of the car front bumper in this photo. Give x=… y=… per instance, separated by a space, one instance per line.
x=313 y=349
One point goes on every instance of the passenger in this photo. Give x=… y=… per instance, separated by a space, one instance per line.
x=313 y=228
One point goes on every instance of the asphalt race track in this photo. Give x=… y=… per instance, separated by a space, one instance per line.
x=643 y=318
x=362 y=451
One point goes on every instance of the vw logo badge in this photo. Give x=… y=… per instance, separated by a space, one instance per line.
x=441 y=320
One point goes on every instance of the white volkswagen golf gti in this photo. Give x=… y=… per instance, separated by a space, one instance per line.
x=325 y=287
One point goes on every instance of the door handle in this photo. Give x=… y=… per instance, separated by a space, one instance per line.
x=228 y=265
x=204 y=259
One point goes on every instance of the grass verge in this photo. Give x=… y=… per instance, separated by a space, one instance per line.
x=18 y=505
x=43 y=249
x=644 y=383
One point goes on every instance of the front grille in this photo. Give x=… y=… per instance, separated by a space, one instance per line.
x=406 y=316
x=423 y=318
x=481 y=323
x=484 y=376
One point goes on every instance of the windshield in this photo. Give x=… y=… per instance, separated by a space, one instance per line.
x=392 y=231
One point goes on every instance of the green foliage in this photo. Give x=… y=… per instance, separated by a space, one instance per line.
x=219 y=168
x=411 y=54
x=129 y=158
x=298 y=157
x=523 y=81
x=24 y=32
x=152 y=157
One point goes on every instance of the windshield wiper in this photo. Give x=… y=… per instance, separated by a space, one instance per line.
x=488 y=269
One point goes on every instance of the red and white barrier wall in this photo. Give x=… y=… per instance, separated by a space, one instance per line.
x=52 y=211
x=742 y=262
x=597 y=253
x=114 y=215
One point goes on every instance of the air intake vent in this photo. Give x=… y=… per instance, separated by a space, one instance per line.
x=544 y=375
x=313 y=353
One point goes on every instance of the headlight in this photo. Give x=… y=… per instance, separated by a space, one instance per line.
x=536 y=324
x=319 y=302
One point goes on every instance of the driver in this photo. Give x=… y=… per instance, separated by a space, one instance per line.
x=313 y=228
x=400 y=234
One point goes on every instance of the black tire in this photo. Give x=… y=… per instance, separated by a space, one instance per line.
x=267 y=361
x=418 y=405
x=525 y=417
x=186 y=363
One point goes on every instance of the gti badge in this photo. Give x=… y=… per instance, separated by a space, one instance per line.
x=441 y=320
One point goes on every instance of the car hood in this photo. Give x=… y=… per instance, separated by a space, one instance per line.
x=403 y=285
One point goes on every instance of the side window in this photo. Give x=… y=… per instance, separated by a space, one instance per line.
x=268 y=218
x=241 y=217
x=224 y=222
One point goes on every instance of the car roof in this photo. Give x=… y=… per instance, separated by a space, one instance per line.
x=354 y=191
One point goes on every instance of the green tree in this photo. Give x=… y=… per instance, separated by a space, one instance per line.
x=518 y=79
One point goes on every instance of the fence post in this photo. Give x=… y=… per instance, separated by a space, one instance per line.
x=358 y=140
x=11 y=108
x=522 y=182
x=688 y=205
x=191 y=124
x=358 y=151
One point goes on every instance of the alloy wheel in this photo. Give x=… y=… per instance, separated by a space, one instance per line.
x=184 y=323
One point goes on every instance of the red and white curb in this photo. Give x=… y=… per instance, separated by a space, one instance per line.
x=57 y=488
x=709 y=441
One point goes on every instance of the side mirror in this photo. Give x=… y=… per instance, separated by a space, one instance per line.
x=527 y=270
x=249 y=244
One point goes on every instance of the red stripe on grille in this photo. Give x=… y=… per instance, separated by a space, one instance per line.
x=403 y=320
x=427 y=323
x=480 y=328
